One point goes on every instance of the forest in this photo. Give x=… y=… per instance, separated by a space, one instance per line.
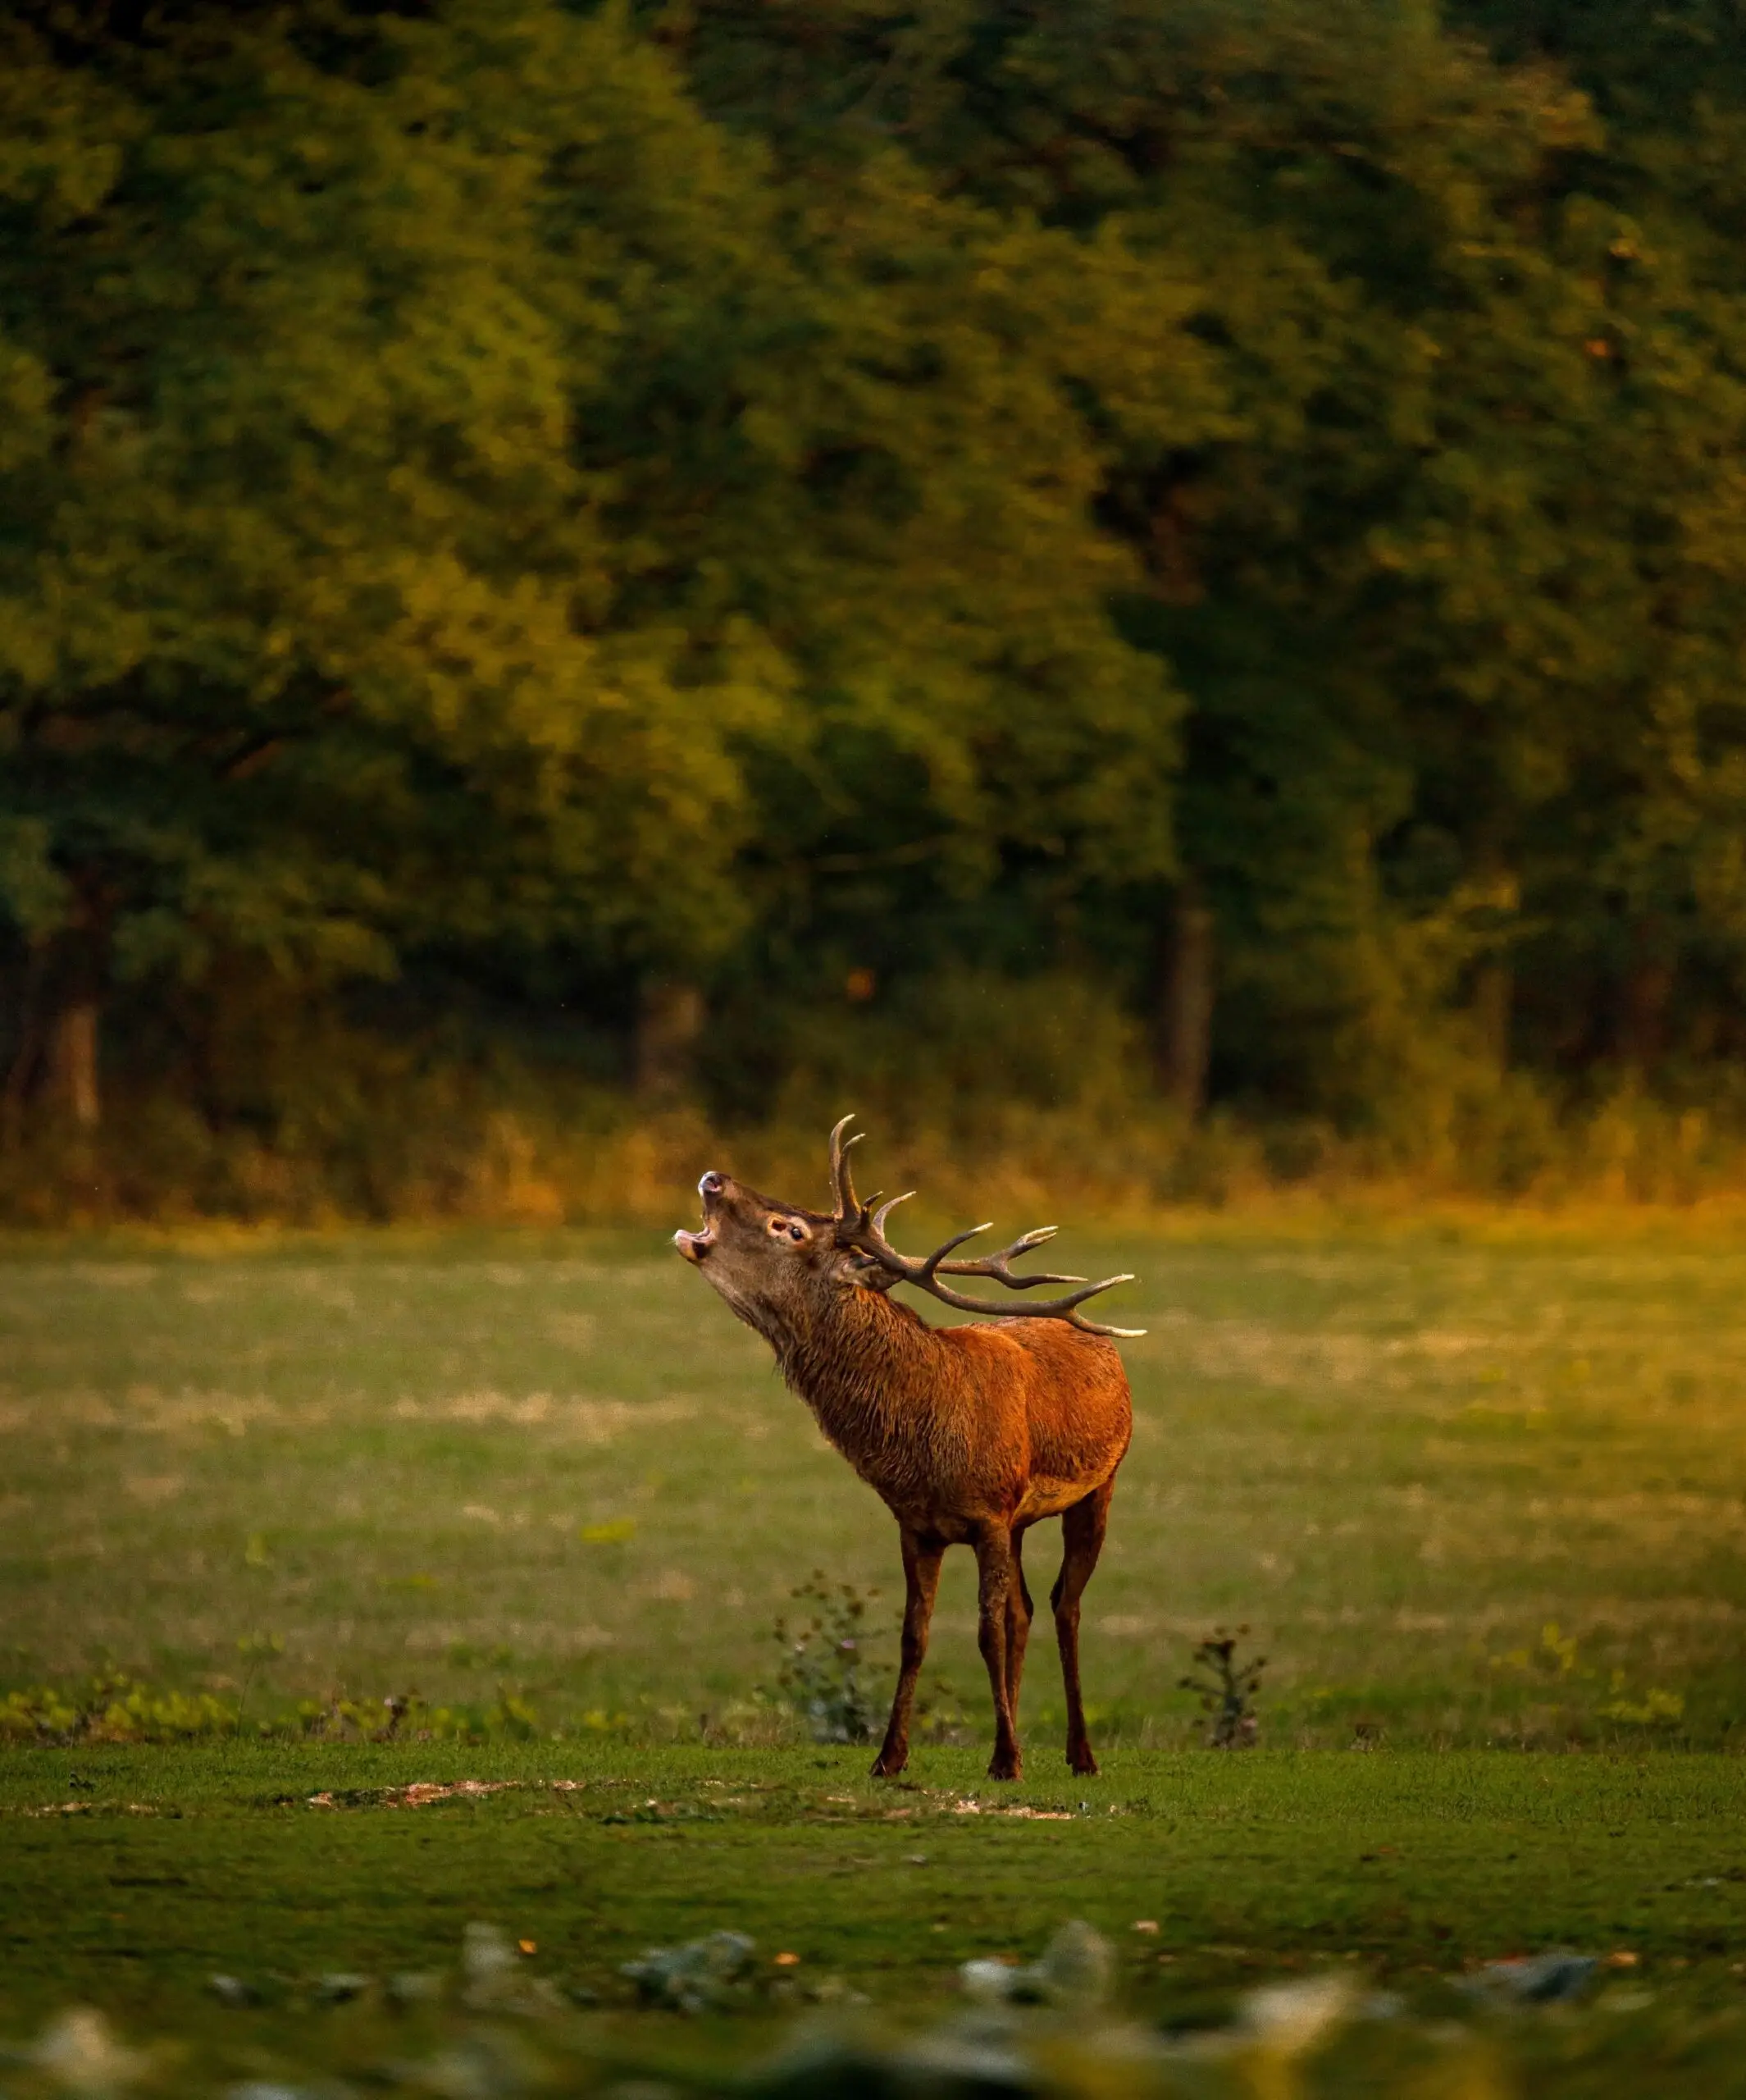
x=1165 y=579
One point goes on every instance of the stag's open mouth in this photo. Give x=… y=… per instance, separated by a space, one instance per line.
x=695 y=1245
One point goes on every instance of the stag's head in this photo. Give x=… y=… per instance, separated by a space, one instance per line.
x=777 y=1266
x=782 y=1269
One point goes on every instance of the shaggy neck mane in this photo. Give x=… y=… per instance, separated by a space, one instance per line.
x=866 y=1367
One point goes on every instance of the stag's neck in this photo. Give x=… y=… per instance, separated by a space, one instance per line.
x=865 y=1371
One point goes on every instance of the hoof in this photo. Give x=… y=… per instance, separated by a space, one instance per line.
x=888 y=1764
x=1082 y=1762
x=1013 y=1769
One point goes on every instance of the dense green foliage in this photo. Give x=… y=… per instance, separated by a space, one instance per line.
x=871 y=533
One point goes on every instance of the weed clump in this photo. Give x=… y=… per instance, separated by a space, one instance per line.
x=1226 y=1689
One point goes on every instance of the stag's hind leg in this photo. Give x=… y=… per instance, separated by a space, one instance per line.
x=921 y=1577
x=1082 y=1528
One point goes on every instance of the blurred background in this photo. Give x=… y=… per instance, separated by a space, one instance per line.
x=1151 y=590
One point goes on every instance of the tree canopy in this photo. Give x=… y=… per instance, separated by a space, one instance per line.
x=1237 y=505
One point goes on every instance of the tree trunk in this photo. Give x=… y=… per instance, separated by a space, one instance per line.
x=1644 y=998
x=669 y=1023
x=71 y=1064
x=53 y=1066
x=26 y=1051
x=1186 y=1005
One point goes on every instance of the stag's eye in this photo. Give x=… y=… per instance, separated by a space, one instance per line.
x=796 y=1232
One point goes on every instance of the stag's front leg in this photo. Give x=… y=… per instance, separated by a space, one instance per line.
x=996 y=1576
x=921 y=1577
x=1019 y=1613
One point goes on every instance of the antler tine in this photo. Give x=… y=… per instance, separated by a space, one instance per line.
x=885 y=1210
x=997 y=1265
x=929 y=1268
x=842 y=1181
x=1036 y=1237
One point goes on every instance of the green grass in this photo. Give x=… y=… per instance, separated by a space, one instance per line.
x=1474 y=1498
x=572 y=1474
x=1409 y=1861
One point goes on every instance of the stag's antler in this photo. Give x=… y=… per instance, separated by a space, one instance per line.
x=859 y=1226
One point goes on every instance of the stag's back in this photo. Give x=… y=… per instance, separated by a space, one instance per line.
x=1069 y=1390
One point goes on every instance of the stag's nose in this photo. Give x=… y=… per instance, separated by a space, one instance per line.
x=711 y=1184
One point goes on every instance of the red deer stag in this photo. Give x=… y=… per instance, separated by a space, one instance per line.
x=971 y=1434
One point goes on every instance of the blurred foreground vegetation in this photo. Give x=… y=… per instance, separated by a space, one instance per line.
x=1044 y=567
x=480 y=1922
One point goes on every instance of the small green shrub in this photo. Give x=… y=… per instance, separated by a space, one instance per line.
x=114 y=1709
x=826 y=1675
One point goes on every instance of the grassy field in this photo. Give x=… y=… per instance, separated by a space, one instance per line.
x=1471 y=1495
x=1410 y=1859
x=1463 y=1494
